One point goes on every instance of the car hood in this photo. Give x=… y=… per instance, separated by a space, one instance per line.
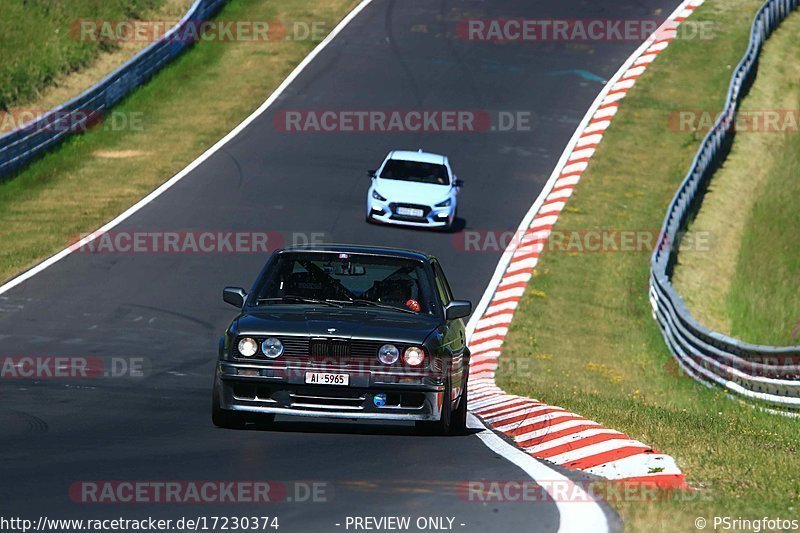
x=347 y=323
x=411 y=192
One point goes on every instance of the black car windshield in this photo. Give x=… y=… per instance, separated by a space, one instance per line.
x=346 y=279
x=396 y=169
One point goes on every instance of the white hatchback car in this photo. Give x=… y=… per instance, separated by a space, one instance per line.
x=414 y=189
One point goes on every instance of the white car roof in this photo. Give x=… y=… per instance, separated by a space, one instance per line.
x=421 y=157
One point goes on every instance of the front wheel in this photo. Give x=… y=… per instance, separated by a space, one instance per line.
x=458 y=424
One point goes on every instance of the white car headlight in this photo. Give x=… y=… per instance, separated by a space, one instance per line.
x=272 y=347
x=378 y=196
x=414 y=356
x=388 y=354
x=446 y=203
x=248 y=347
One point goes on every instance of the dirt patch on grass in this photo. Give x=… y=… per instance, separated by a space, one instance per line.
x=119 y=154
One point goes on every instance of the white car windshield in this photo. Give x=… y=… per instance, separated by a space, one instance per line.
x=397 y=169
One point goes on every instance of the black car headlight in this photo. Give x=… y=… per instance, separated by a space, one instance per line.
x=378 y=196
x=446 y=203
x=272 y=347
x=248 y=346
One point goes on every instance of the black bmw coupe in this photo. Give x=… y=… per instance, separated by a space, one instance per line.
x=345 y=332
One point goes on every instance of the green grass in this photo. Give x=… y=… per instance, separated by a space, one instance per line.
x=93 y=177
x=584 y=338
x=763 y=300
x=749 y=289
x=37 y=45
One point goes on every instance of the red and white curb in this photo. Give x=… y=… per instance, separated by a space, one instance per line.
x=543 y=431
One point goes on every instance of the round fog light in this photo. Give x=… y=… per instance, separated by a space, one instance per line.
x=388 y=354
x=414 y=356
x=379 y=400
x=248 y=347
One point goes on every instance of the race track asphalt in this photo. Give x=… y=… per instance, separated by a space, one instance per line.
x=167 y=308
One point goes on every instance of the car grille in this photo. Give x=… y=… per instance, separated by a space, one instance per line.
x=359 y=348
x=338 y=348
x=344 y=350
x=294 y=346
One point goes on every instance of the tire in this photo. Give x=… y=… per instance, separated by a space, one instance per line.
x=458 y=424
x=451 y=226
x=441 y=426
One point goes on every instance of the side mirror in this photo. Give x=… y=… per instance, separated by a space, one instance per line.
x=372 y=173
x=458 y=309
x=234 y=296
x=458 y=182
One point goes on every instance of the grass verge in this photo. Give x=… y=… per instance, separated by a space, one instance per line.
x=170 y=121
x=38 y=45
x=584 y=338
x=754 y=298
x=68 y=72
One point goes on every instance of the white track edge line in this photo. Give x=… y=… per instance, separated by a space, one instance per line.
x=582 y=514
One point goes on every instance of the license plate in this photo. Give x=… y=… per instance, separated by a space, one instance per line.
x=409 y=211
x=323 y=378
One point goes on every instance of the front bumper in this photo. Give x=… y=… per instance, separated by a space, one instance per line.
x=257 y=388
x=437 y=217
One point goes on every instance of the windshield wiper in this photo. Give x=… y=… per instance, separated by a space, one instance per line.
x=358 y=301
x=303 y=299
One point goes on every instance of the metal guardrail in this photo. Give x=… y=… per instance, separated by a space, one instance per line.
x=18 y=147
x=766 y=375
